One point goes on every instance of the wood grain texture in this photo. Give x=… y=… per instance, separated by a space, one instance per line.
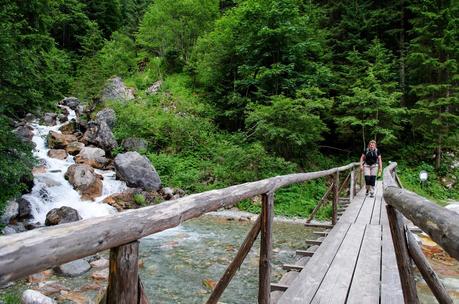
x=39 y=249
x=403 y=259
x=266 y=248
x=441 y=224
x=429 y=275
x=391 y=288
x=366 y=280
x=123 y=281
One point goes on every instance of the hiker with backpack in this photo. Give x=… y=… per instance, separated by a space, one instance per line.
x=371 y=164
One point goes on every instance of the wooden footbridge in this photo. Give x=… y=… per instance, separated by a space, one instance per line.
x=364 y=257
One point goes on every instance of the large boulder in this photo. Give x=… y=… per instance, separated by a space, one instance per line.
x=69 y=128
x=57 y=153
x=85 y=180
x=115 y=89
x=134 y=144
x=49 y=119
x=108 y=115
x=34 y=297
x=95 y=157
x=73 y=268
x=137 y=171
x=57 y=140
x=24 y=209
x=61 y=215
x=100 y=135
x=74 y=148
x=71 y=102
x=24 y=132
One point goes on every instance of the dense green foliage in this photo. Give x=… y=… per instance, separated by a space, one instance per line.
x=251 y=88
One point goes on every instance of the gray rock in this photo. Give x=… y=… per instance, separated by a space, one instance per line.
x=61 y=215
x=71 y=102
x=154 y=87
x=24 y=132
x=167 y=192
x=74 y=148
x=85 y=180
x=95 y=157
x=100 y=135
x=137 y=171
x=108 y=115
x=49 y=119
x=134 y=144
x=34 y=297
x=115 y=89
x=8 y=230
x=29 y=117
x=24 y=209
x=58 y=153
x=73 y=268
x=62 y=118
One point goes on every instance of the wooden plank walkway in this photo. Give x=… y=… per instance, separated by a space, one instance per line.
x=355 y=263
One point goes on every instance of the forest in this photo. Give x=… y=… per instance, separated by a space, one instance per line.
x=249 y=89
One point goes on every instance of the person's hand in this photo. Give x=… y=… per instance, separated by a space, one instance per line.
x=379 y=173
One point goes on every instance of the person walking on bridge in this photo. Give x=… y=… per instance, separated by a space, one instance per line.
x=371 y=164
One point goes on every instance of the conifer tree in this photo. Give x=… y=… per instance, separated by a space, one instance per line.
x=433 y=66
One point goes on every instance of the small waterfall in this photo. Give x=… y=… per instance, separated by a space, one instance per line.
x=52 y=190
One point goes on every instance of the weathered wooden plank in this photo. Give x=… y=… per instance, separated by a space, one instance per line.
x=429 y=275
x=264 y=271
x=439 y=223
x=292 y=267
x=391 y=288
x=376 y=216
x=313 y=242
x=321 y=233
x=236 y=262
x=351 y=213
x=278 y=287
x=366 y=280
x=123 y=280
x=304 y=252
x=352 y=184
x=310 y=278
x=403 y=259
x=318 y=225
x=286 y=279
x=336 y=283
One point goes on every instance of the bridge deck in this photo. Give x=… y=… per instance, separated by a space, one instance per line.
x=356 y=261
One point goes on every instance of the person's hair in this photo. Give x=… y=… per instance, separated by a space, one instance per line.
x=372 y=141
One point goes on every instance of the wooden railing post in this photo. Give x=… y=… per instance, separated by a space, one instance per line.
x=352 y=184
x=335 y=197
x=264 y=279
x=123 y=278
x=429 y=275
x=401 y=252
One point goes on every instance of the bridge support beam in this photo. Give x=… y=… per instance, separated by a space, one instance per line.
x=264 y=279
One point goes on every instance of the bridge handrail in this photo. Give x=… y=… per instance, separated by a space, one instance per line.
x=441 y=224
x=39 y=249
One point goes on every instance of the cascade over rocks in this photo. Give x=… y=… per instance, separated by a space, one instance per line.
x=100 y=134
x=57 y=140
x=137 y=171
x=58 y=153
x=94 y=157
x=115 y=89
x=61 y=215
x=49 y=119
x=134 y=144
x=108 y=115
x=24 y=209
x=71 y=102
x=85 y=180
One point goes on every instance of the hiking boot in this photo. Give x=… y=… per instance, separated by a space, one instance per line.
x=372 y=194
x=366 y=192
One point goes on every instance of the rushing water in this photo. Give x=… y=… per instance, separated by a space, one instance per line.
x=52 y=190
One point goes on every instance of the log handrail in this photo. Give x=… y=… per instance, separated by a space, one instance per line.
x=39 y=249
x=441 y=224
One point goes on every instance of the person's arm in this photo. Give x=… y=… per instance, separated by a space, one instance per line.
x=362 y=161
x=380 y=165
